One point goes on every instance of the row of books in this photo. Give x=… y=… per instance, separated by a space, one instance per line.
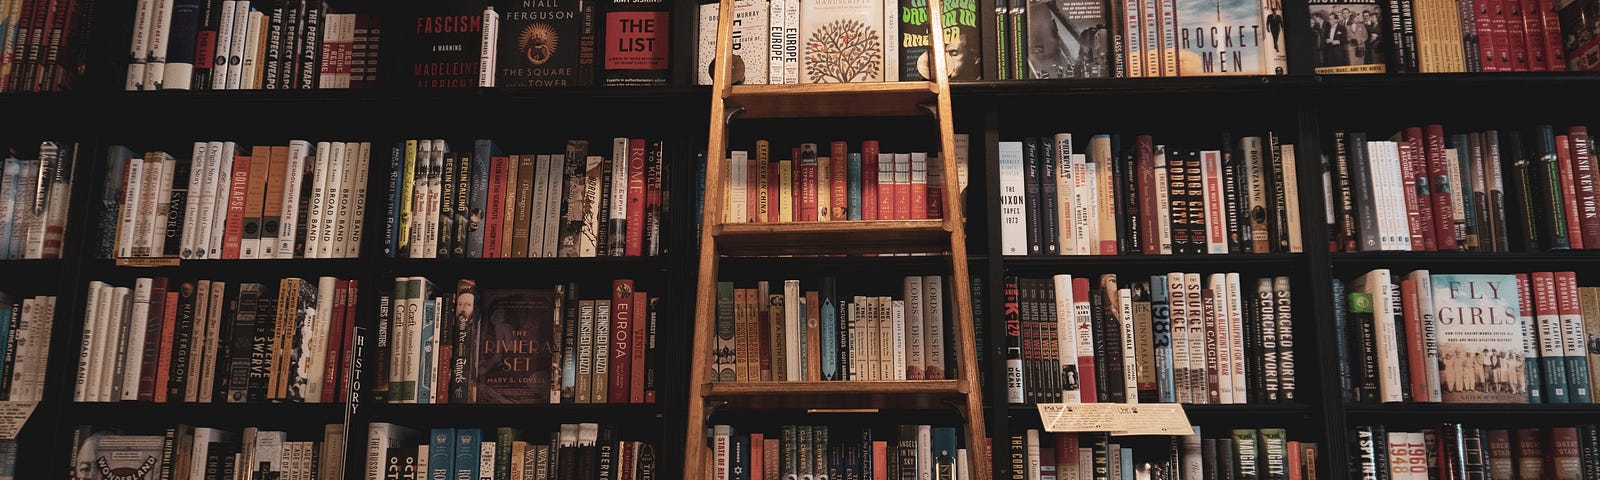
x=1138 y=38
x=187 y=452
x=1467 y=338
x=231 y=201
x=818 y=451
x=1424 y=190
x=43 y=44
x=1453 y=450
x=1442 y=36
x=810 y=186
x=35 y=195
x=485 y=204
x=1240 y=453
x=237 y=45
x=516 y=346
x=574 y=450
x=521 y=43
x=166 y=340
x=820 y=335
x=1165 y=338
x=25 y=326
x=1148 y=199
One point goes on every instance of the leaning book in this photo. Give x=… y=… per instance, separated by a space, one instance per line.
x=512 y=345
x=1480 y=339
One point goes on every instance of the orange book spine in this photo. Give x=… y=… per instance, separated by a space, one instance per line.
x=1415 y=355
x=336 y=321
x=272 y=200
x=255 y=193
x=169 y=322
x=238 y=189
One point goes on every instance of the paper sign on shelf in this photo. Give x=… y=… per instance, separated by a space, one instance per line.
x=1119 y=419
x=12 y=416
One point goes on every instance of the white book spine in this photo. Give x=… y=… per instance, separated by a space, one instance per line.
x=333 y=193
x=139 y=47
x=1013 y=227
x=1194 y=309
x=1067 y=231
x=219 y=62
x=487 y=46
x=925 y=453
x=891 y=338
x=619 y=195
x=40 y=351
x=149 y=191
x=326 y=76
x=1383 y=307
x=191 y=205
x=1163 y=202
x=1085 y=205
x=293 y=176
x=915 y=360
x=419 y=199
x=706 y=41
x=1067 y=339
x=933 y=327
x=326 y=287
x=86 y=345
x=1430 y=335
x=891 y=43
x=1216 y=223
x=25 y=330
x=208 y=164
x=156 y=56
x=319 y=198
x=435 y=191
x=158 y=230
x=349 y=165
x=1180 y=336
x=202 y=445
x=1130 y=367
x=588 y=245
x=791 y=42
x=739 y=176
x=241 y=15
x=1235 y=310
x=1291 y=195
x=775 y=12
x=247 y=64
x=358 y=202
x=219 y=201
x=130 y=208
x=1217 y=288
x=791 y=328
x=138 y=318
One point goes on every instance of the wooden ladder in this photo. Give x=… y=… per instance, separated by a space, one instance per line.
x=938 y=236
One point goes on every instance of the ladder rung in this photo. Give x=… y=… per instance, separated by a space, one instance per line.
x=909 y=394
x=883 y=99
x=846 y=237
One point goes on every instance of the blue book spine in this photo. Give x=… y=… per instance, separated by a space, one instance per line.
x=468 y=443
x=1161 y=328
x=1127 y=463
x=441 y=453
x=828 y=326
x=1464 y=163
x=5 y=331
x=425 y=373
x=483 y=152
x=944 y=452
x=854 y=185
x=391 y=211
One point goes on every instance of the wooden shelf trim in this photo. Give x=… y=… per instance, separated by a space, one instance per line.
x=882 y=99
x=879 y=236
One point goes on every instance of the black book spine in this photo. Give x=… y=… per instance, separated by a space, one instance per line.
x=1178 y=199
x=1113 y=338
x=1030 y=350
x=244 y=364
x=206 y=44
x=1361 y=316
x=603 y=233
x=606 y=451
x=841 y=331
x=1047 y=316
x=175 y=210
x=1254 y=348
x=223 y=368
x=272 y=76
x=1496 y=200
x=1361 y=186
x=1265 y=337
x=1546 y=181
x=1208 y=458
x=1197 y=202
x=182 y=341
x=1453 y=445
x=1134 y=244
x=1344 y=206
x=1589 y=451
x=1279 y=224
x=261 y=344
x=1286 y=370
x=169 y=452
x=1119 y=196
x=1050 y=233
x=293 y=34
x=1475 y=453
x=447 y=205
x=1524 y=193
x=1097 y=306
x=1030 y=188
x=463 y=197
x=1099 y=455
x=1341 y=339
x=1403 y=358
x=1230 y=194
x=310 y=47
x=380 y=383
x=1364 y=446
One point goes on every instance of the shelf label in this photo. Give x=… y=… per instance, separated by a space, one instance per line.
x=12 y=416
x=147 y=261
x=1119 y=419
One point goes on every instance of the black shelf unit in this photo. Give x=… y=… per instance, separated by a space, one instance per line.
x=1302 y=107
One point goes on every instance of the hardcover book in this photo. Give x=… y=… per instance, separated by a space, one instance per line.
x=512 y=345
x=841 y=41
x=962 y=45
x=1480 y=338
x=542 y=43
x=638 y=46
x=1350 y=37
x=446 y=43
x=1067 y=39
x=129 y=457
x=1220 y=37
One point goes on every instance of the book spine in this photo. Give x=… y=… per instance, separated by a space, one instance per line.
x=1573 y=337
x=1551 y=350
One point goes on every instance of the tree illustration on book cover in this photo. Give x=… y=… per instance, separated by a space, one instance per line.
x=844 y=50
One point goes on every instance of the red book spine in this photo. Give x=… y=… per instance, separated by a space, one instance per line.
x=233 y=229
x=1438 y=174
x=1145 y=163
x=636 y=198
x=1419 y=175
x=869 y=180
x=1293 y=462
x=150 y=359
x=916 y=194
x=636 y=376
x=808 y=187
x=1555 y=49
x=1066 y=452
x=1583 y=175
x=495 y=217
x=1516 y=32
x=774 y=211
x=1408 y=179
x=169 y=324
x=622 y=318
x=1484 y=26
x=1530 y=454
x=839 y=181
x=1501 y=22
x=336 y=319
x=1086 y=381
x=1569 y=192
x=1561 y=459
x=1412 y=316
x=795 y=184
x=347 y=341
x=1533 y=34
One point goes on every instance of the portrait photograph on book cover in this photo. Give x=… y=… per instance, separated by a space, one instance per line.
x=1349 y=37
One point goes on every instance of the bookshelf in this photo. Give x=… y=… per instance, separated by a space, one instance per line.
x=1302 y=106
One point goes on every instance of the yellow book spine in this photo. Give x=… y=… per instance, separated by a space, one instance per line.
x=763 y=159
x=824 y=190
x=403 y=235
x=785 y=191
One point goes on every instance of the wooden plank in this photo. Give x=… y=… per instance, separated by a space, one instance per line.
x=879 y=236
x=910 y=394
x=878 y=99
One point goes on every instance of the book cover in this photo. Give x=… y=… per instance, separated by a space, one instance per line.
x=963 y=60
x=1220 y=37
x=1349 y=37
x=445 y=45
x=1067 y=39
x=512 y=346
x=541 y=42
x=130 y=457
x=841 y=41
x=1479 y=337
x=638 y=36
